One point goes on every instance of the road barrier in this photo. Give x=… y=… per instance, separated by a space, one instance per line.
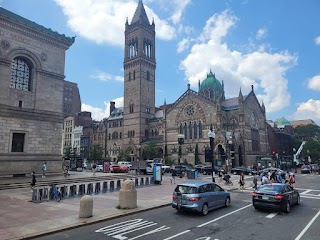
x=43 y=193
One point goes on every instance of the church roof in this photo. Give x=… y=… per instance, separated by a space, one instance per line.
x=140 y=14
x=35 y=26
x=117 y=113
x=210 y=82
x=230 y=103
x=281 y=122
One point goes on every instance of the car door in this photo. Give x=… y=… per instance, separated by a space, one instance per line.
x=211 y=196
x=219 y=195
x=293 y=193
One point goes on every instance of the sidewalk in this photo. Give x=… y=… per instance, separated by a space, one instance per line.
x=22 y=219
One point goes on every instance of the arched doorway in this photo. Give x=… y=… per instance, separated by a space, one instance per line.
x=220 y=156
x=241 y=163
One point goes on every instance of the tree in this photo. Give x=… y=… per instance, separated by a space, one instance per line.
x=123 y=155
x=67 y=152
x=307 y=132
x=151 y=151
x=96 y=152
x=314 y=150
x=196 y=155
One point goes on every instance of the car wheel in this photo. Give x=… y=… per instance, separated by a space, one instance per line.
x=256 y=208
x=205 y=209
x=227 y=202
x=298 y=200
x=288 y=207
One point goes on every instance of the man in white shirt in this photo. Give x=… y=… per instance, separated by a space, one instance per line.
x=264 y=180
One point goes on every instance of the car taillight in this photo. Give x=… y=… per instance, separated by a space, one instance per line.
x=194 y=199
x=254 y=194
x=278 y=196
x=174 y=198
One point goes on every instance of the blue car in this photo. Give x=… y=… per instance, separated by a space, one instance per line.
x=199 y=197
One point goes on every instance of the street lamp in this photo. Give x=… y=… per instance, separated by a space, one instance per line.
x=180 y=142
x=211 y=136
x=229 y=160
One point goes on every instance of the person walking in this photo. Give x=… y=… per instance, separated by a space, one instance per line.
x=241 y=182
x=265 y=180
x=94 y=166
x=173 y=176
x=44 y=170
x=292 y=180
x=33 y=180
x=255 y=181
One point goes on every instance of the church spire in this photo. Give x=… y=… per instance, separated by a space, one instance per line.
x=140 y=15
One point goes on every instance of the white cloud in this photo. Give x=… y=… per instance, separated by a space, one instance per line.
x=183 y=45
x=179 y=6
x=314 y=83
x=104 y=21
x=308 y=110
x=98 y=113
x=317 y=40
x=261 y=33
x=266 y=71
x=103 y=76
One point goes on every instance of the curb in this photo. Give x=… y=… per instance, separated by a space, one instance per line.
x=91 y=222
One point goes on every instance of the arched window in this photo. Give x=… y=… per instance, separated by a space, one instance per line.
x=200 y=130
x=180 y=129
x=190 y=130
x=131 y=108
x=185 y=131
x=195 y=130
x=20 y=74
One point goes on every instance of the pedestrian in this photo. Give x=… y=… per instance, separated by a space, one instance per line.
x=261 y=175
x=173 y=176
x=44 y=170
x=279 y=178
x=265 y=180
x=94 y=166
x=220 y=175
x=241 y=181
x=292 y=180
x=255 y=181
x=33 y=180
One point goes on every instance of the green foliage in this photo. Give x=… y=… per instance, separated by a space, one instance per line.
x=307 y=132
x=314 y=150
x=96 y=152
x=67 y=152
x=168 y=161
x=196 y=155
x=151 y=151
x=123 y=155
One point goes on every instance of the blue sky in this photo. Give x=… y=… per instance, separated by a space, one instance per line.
x=271 y=44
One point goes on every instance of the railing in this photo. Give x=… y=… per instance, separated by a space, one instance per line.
x=43 y=193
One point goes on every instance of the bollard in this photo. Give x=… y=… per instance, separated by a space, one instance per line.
x=118 y=184
x=111 y=188
x=128 y=195
x=105 y=187
x=136 y=182
x=147 y=181
x=86 y=207
x=142 y=181
x=97 y=188
x=89 y=188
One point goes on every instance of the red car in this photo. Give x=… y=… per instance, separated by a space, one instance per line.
x=116 y=168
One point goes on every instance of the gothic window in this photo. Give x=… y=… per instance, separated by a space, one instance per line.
x=185 y=131
x=147 y=48
x=120 y=135
x=146 y=133
x=180 y=128
x=148 y=75
x=20 y=74
x=17 y=142
x=255 y=140
x=109 y=136
x=148 y=110
x=115 y=135
x=131 y=108
x=190 y=130
x=195 y=130
x=134 y=74
x=133 y=48
x=200 y=130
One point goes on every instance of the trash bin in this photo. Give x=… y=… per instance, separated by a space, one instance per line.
x=191 y=174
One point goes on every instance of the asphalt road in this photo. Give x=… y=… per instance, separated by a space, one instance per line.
x=239 y=221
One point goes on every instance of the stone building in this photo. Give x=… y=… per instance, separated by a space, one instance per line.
x=71 y=99
x=239 y=123
x=32 y=60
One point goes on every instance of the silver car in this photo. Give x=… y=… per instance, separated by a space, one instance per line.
x=200 y=197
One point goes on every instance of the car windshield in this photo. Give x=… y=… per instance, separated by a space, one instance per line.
x=270 y=188
x=185 y=189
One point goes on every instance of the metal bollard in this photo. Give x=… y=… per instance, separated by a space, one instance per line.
x=105 y=187
x=97 y=188
x=118 y=184
x=136 y=182
x=111 y=188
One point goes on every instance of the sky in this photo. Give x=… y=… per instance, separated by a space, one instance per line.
x=273 y=45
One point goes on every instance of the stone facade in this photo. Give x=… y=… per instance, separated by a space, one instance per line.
x=239 y=123
x=32 y=63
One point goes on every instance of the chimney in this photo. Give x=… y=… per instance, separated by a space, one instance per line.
x=112 y=106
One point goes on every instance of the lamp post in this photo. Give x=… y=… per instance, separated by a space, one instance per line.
x=211 y=136
x=180 y=142
x=229 y=160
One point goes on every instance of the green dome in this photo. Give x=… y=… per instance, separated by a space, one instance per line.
x=282 y=122
x=210 y=82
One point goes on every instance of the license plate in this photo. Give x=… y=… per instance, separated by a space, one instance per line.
x=265 y=197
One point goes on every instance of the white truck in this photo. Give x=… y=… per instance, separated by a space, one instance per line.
x=145 y=166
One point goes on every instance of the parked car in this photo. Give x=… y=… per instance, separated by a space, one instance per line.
x=181 y=169
x=116 y=168
x=99 y=167
x=199 y=168
x=278 y=171
x=244 y=170
x=207 y=170
x=199 y=197
x=314 y=167
x=305 y=169
x=275 y=196
x=165 y=168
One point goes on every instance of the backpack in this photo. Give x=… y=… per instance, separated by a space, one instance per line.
x=291 y=179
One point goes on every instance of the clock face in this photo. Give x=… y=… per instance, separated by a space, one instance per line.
x=189 y=110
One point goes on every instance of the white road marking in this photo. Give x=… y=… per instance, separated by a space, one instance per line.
x=271 y=215
x=307 y=227
x=310 y=197
x=176 y=235
x=216 y=219
x=305 y=192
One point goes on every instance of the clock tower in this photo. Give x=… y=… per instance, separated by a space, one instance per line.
x=139 y=77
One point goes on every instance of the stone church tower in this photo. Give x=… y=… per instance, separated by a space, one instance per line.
x=139 y=77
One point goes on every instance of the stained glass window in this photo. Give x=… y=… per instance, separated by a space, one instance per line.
x=20 y=75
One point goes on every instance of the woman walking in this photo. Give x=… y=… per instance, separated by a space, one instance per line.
x=241 y=182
